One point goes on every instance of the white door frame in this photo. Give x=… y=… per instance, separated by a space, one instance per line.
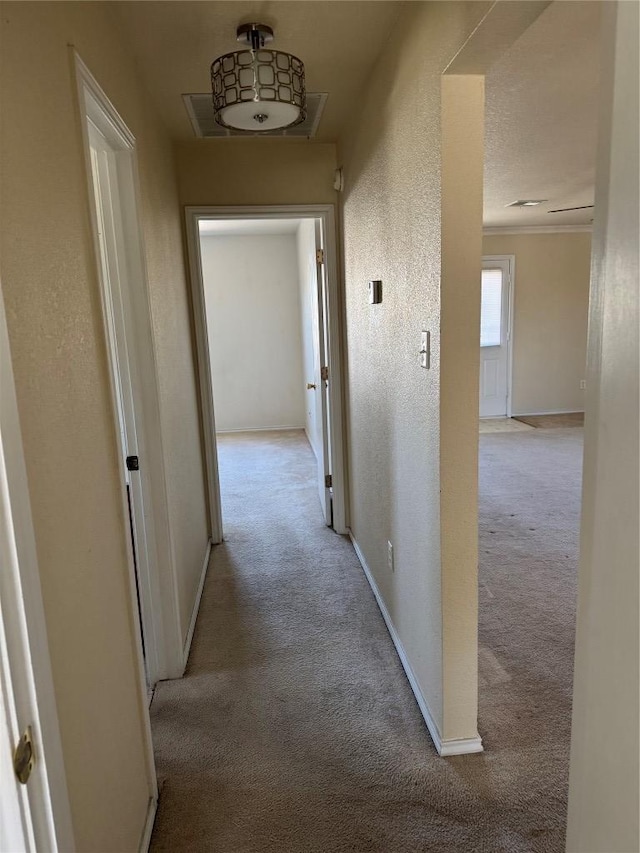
x=511 y=261
x=35 y=816
x=157 y=577
x=326 y=214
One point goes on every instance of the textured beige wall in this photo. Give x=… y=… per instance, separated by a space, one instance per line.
x=175 y=358
x=551 y=304
x=603 y=782
x=392 y=231
x=254 y=330
x=462 y=184
x=59 y=358
x=256 y=171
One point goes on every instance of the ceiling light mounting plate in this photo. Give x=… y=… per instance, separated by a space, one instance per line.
x=254 y=35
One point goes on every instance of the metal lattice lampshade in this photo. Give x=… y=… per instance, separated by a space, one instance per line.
x=258 y=89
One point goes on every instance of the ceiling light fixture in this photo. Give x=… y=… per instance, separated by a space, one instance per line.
x=527 y=202
x=256 y=89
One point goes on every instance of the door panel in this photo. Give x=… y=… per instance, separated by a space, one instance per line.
x=495 y=335
x=122 y=358
x=322 y=385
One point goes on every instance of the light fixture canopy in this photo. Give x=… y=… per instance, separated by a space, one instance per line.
x=258 y=89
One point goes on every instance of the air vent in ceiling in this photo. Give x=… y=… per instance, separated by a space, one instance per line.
x=200 y=110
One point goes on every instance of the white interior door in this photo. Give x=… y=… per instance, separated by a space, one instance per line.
x=125 y=380
x=323 y=451
x=34 y=812
x=495 y=337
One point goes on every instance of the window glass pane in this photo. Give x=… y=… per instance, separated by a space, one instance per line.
x=491 y=309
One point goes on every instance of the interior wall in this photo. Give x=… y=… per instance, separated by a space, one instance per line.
x=253 y=320
x=551 y=304
x=308 y=285
x=604 y=774
x=462 y=194
x=392 y=231
x=255 y=171
x=59 y=358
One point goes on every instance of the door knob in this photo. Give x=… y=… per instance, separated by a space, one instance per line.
x=310 y=386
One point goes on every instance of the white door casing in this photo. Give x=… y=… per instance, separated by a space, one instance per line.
x=113 y=196
x=35 y=816
x=496 y=336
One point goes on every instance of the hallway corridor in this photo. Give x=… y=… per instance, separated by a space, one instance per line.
x=295 y=729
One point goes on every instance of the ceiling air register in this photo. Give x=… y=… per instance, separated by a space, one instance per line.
x=258 y=89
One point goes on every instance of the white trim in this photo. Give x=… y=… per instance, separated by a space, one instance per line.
x=536 y=229
x=261 y=429
x=164 y=632
x=196 y=606
x=325 y=213
x=147 y=832
x=550 y=412
x=458 y=746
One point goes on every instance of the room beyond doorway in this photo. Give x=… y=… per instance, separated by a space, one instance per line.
x=266 y=314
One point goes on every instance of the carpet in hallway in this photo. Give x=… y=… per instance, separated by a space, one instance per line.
x=294 y=729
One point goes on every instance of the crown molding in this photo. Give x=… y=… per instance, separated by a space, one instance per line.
x=537 y=229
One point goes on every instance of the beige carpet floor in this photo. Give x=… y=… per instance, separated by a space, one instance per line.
x=502 y=425
x=295 y=730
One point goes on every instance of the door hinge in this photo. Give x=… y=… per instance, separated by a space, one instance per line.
x=319 y=256
x=328 y=481
x=133 y=463
x=24 y=757
x=324 y=374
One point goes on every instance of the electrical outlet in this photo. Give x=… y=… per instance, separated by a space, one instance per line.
x=583 y=384
x=390 y=556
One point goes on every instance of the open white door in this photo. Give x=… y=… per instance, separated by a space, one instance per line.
x=495 y=337
x=34 y=812
x=323 y=450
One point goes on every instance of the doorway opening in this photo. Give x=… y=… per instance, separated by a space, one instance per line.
x=535 y=282
x=266 y=315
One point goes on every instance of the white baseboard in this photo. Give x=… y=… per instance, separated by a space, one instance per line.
x=145 y=841
x=461 y=746
x=196 y=606
x=553 y=412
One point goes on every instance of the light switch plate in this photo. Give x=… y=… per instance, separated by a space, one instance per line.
x=425 y=349
x=375 y=292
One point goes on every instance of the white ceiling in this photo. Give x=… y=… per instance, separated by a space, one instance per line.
x=541 y=95
x=246 y=227
x=541 y=119
x=176 y=42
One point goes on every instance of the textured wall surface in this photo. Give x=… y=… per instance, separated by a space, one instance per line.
x=392 y=222
x=256 y=171
x=462 y=183
x=603 y=782
x=551 y=304
x=59 y=357
x=255 y=340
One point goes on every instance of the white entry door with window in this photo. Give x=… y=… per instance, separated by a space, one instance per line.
x=495 y=336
